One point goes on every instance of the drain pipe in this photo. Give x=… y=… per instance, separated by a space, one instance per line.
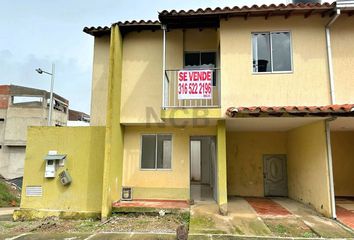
x=163 y=64
x=330 y=166
x=329 y=56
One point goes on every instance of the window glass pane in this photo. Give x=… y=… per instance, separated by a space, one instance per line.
x=164 y=149
x=148 y=150
x=192 y=59
x=281 y=51
x=261 y=52
x=208 y=59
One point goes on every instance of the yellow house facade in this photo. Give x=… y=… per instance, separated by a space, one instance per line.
x=273 y=117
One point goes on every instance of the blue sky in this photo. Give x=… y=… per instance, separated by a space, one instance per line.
x=35 y=33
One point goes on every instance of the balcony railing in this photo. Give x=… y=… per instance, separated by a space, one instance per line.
x=172 y=98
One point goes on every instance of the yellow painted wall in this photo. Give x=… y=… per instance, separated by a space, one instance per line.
x=174 y=49
x=245 y=152
x=142 y=68
x=343 y=162
x=221 y=165
x=342 y=35
x=160 y=184
x=84 y=147
x=308 y=179
x=204 y=40
x=114 y=132
x=307 y=85
x=142 y=77
x=99 y=81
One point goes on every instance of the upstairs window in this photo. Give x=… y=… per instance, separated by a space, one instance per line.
x=201 y=60
x=156 y=152
x=271 y=52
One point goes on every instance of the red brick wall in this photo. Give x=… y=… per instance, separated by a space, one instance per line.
x=4 y=96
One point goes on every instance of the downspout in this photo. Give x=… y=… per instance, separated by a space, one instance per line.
x=163 y=63
x=330 y=167
x=329 y=56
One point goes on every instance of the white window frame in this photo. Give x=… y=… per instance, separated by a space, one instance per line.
x=141 y=152
x=271 y=53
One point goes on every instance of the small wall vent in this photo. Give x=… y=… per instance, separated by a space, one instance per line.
x=34 y=191
x=127 y=194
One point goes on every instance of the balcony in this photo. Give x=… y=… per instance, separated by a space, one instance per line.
x=191 y=88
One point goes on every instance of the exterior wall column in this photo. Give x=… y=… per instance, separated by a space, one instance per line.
x=113 y=155
x=221 y=167
x=308 y=166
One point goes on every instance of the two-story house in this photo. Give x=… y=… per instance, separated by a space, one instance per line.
x=210 y=103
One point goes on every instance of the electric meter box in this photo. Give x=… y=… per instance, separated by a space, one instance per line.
x=65 y=177
x=52 y=161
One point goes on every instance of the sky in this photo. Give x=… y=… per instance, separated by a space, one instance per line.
x=36 y=33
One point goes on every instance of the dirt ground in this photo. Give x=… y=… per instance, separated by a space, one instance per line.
x=117 y=223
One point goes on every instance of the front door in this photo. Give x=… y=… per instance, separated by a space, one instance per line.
x=275 y=175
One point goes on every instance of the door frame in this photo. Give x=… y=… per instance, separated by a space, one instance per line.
x=196 y=138
x=285 y=157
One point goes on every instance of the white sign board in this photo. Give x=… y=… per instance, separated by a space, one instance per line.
x=195 y=84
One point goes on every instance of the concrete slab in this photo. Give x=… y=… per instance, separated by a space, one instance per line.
x=205 y=218
x=345 y=216
x=241 y=219
x=7 y=211
x=132 y=236
x=348 y=206
x=7 y=236
x=163 y=204
x=267 y=207
x=51 y=236
x=322 y=226
x=245 y=220
x=7 y=217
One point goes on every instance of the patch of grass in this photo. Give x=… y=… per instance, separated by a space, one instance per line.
x=9 y=225
x=7 y=198
x=86 y=225
x=202 y=222
x=237 y=230
x=184 y=217
x=289 y=227
x=309 y=235
x=280 y=229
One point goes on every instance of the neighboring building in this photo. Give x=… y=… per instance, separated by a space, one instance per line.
x=270 y=114
x=21 y=107
x=77 y=118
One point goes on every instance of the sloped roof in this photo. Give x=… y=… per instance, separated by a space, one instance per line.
x=209 y=17
x=301 y=111
x=253 y=8
x=125 y=26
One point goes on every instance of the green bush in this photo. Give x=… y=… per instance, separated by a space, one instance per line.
x=7 y=198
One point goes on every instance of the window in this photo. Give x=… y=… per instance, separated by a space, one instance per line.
x=156 y=151
x=271 y=52
x=201 y=60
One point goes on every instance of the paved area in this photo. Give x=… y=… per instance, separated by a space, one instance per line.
x=345 y=211
x=6 y=213
x=95 y=236
x=153 y=204
x=267 y=207
x=276 y=217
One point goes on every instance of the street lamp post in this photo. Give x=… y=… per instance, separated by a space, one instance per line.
x=40 y=71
